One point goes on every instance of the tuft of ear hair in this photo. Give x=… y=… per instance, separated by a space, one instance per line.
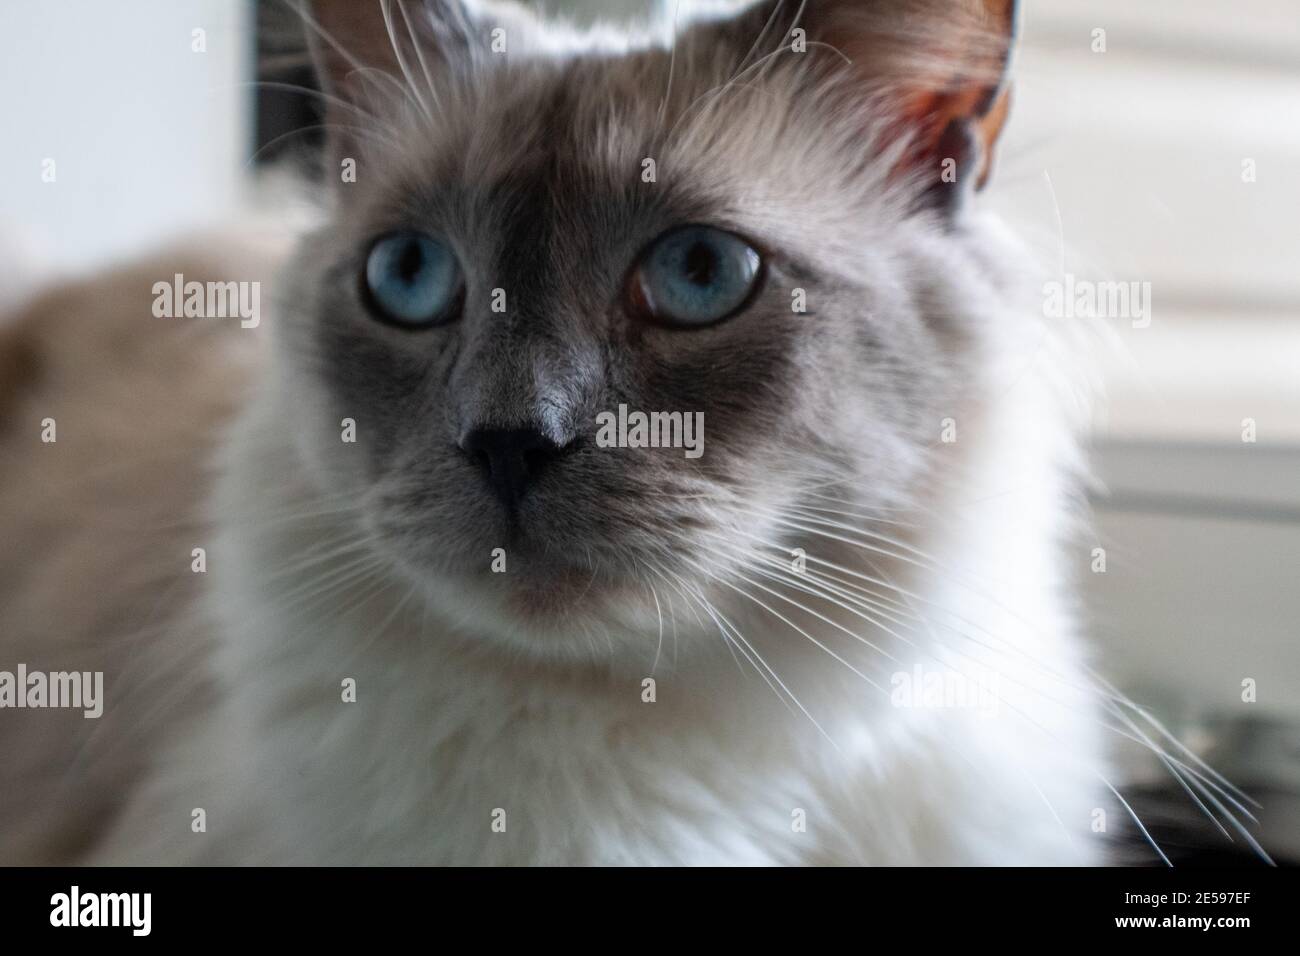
x=376 y=58
x=938 y=69
x=958 y=111
x=365 y=49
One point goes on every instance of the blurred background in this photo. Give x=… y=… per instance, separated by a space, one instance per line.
x=1154 y=142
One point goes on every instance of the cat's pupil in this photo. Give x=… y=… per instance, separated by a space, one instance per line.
x=701 y=264
x=411 y=261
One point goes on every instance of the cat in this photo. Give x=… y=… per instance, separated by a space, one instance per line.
x=365 y=587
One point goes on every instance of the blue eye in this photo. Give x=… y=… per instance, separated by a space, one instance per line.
x=695 y=276
x=413 y=280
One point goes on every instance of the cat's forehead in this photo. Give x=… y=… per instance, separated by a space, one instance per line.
x=595 y=123
x=598 y=143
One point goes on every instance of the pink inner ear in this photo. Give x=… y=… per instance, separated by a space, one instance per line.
x=950 y=91
x=930 y=118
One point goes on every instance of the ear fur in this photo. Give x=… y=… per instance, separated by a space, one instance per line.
x=362 y=47
x=939 y=69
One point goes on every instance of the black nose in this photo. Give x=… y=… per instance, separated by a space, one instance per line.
x=510 y=459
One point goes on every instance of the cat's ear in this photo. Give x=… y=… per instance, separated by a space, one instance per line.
x=367 y=52
x=939 y=69
x=944 y=69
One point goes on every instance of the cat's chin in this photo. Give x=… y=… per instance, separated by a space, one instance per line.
x=556 y=594
x=555 y=611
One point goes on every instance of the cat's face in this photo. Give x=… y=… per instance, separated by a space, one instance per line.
x=561 y=236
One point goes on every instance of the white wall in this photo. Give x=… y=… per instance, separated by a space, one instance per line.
x=1144 y=145
x=147 y=136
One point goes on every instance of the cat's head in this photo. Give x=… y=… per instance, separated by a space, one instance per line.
x=758 y=225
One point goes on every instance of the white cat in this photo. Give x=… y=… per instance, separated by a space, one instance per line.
x=440 y=624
